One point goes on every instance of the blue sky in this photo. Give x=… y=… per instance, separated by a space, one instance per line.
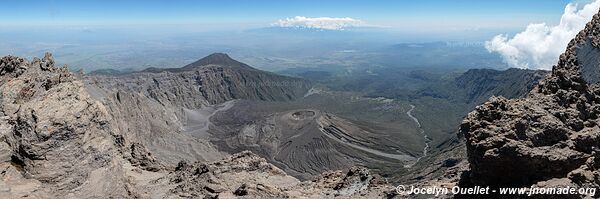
x=177 y=30
x=244 y=13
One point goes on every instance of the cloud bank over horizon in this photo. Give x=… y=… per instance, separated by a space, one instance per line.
x=325 y=23
x=540 y=45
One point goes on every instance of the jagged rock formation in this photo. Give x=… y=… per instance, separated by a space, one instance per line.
x=63 y=138
x=247 y=175
x=55 y=141
x=549 y=138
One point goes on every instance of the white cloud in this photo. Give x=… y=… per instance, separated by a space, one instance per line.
x=326 y=23
x=540 y=45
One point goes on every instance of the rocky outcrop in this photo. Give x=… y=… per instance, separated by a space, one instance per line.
x=247 y=175
x=58 y=141
x=55 y=141
x=549 y=138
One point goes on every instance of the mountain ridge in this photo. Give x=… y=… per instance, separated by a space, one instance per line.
x=480 y=84
x=60 y=139
x=150 y=134
x=214 y=59
x=549 y=138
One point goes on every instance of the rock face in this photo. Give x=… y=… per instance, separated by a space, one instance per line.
x=64 y=138
x=158 y=107
x=55 y=141
x=549 y=138
x=247 y=175
x=61 y=138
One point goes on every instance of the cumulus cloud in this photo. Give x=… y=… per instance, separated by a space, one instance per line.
x=325 y=23
x=540 y=45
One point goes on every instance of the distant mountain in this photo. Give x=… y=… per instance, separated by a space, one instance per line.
x=215 y=59
x=220 y=59
x=216 y=78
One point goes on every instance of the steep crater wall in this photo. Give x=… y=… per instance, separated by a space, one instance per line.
x=551 y=137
